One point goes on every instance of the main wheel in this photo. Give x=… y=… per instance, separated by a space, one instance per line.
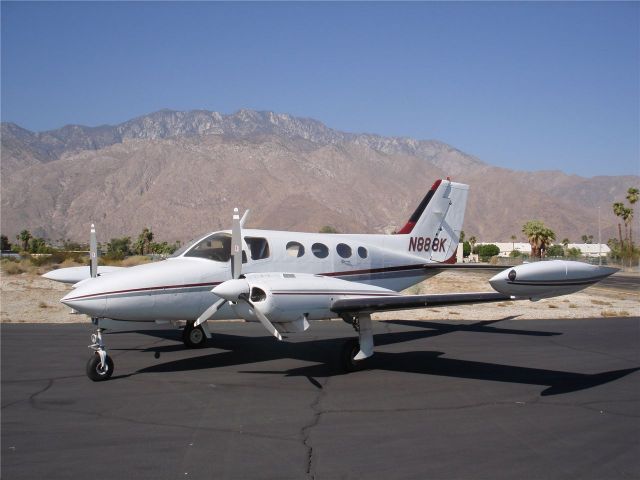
x=194 y=337
x=97 y=373
x=349 y=350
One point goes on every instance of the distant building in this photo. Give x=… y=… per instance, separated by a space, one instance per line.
x=586 y=249
x=591 y=249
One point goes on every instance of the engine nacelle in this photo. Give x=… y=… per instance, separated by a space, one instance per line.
x=548 y=278
x=289 y=297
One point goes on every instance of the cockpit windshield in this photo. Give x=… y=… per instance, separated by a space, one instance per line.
x=185 y=247
x=216 y=247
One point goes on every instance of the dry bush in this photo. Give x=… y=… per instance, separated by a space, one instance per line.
x=135 y=260
x=11 y=267
x=614 y=313
x=600 y=302
x=551 y=305
x=70 y=262
x=573 y=305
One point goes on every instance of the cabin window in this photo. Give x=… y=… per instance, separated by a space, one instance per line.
x=259 y=247
x=343 y=250
x=216 y=247
x=295 y=249
x=320 y=250
x=362 y=252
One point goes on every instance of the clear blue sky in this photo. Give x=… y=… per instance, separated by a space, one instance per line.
x=522 y=85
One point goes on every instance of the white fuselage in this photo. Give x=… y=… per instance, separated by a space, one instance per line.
x=179 y=288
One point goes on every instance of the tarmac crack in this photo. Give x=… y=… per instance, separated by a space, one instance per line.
x=305 y=431
x=535 y=402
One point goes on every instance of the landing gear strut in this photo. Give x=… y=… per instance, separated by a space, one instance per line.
x=195 y=337
x=355 y=351
x=100 y=365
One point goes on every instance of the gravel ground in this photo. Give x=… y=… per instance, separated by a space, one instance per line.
x=29 y=298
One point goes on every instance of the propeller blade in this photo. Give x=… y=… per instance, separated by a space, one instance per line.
x=245 y=215
x=263 y=319
x=236 y=245
x=93 y=252
x=209 y=312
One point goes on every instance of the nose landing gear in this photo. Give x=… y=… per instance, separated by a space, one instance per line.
x=195 y=337
x=100 y=365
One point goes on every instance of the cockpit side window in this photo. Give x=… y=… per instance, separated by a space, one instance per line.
x=259 y=247
x=216 y=247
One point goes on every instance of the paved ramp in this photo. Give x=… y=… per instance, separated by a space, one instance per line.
x=507 y=399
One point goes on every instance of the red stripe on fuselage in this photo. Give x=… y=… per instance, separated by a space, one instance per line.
x=147 y=289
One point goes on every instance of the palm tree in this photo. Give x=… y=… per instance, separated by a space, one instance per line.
x=539 y=236
x=627 y=217
x=472 y=242
x=565 y=245
x=632 y=197
x=513 y=242
x=24 y=237
x=618 y=209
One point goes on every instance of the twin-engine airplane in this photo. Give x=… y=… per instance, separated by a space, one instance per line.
x=284 y=279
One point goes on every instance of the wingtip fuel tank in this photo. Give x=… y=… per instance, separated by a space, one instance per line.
x=548 y=278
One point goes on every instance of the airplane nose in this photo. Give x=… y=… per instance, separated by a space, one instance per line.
x=87 y=301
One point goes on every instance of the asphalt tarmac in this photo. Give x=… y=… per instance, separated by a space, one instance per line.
x=485 y=400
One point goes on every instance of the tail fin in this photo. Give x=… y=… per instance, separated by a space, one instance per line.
x=433 y=231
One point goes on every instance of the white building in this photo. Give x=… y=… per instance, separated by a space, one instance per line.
x=586 y=249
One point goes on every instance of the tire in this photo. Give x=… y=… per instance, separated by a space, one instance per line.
x=194 y=337
x=349 y=350
x=93 y=368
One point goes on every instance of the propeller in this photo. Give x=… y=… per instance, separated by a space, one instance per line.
x=237 y=289
x=93 y=252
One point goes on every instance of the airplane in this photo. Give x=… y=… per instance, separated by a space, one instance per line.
x=285 y=279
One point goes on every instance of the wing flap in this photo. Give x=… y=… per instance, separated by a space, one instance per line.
x=403 y=302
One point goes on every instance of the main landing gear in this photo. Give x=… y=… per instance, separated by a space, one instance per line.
x=195 y=337
x=356 y=351
x=100 y=365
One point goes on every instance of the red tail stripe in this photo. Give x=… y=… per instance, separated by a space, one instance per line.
x=408 y=227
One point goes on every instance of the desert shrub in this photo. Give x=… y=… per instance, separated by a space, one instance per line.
x=555 y=251
x=13 y=267
x=485 y=252
x=135 y=260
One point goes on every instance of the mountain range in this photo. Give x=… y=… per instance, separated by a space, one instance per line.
x=181 y=174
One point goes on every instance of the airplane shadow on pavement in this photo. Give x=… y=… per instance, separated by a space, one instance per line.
x=240 y=350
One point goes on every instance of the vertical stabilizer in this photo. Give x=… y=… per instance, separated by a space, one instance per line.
x=433 y=231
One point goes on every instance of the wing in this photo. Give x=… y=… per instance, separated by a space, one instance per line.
x=403 y=302
x=77 y=274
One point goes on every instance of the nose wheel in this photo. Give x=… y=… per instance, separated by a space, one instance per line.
x=100 y=365
x=194 y=337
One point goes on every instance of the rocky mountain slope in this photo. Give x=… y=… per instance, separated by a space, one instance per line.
x=181 y=173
